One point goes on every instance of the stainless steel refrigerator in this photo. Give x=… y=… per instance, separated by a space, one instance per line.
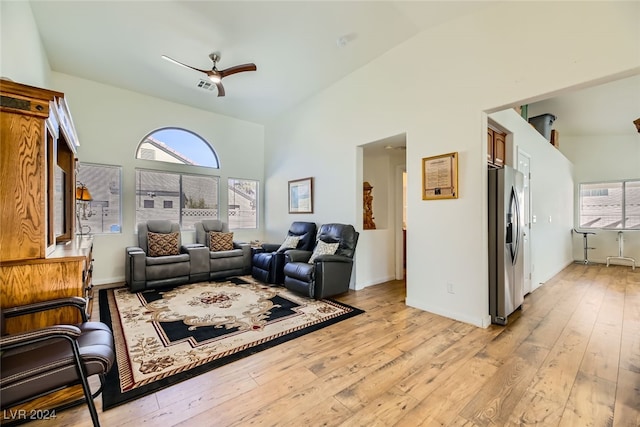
x=506 y=228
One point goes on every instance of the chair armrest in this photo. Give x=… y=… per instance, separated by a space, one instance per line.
x=77 y=302
x=333 y=258
x=23 y=338
x=135 y=272
x=133 y=249
x=246 y=255
x=297 y=255
x=270 y=247
x=185 y=248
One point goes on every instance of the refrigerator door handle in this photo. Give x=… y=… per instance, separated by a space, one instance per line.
x=514 y=226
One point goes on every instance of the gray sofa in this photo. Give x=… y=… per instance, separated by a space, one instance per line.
x=161 y=260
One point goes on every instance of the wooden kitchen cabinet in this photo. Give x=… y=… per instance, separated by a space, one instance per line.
x=496 y=148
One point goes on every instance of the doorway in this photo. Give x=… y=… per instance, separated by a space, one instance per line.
x=384 y=176
x=524 y=166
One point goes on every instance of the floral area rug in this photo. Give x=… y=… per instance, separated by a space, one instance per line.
x=167 y=336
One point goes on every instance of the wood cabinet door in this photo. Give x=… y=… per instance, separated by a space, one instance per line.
x=489 y=145
x=499 y=142
x=22 y=192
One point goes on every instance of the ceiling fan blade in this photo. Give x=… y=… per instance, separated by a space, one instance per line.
x=238 y=69
x=220 y=89
x=184 y=65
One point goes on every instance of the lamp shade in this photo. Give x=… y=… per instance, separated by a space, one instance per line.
x=82 y=193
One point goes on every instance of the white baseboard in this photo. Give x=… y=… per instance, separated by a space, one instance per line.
x=481 y=322
x=108 y=281
x=372 y=282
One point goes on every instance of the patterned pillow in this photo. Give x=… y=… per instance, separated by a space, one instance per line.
x=323 y=248
x=220 y=241
x=163 y=244
x=291 y=242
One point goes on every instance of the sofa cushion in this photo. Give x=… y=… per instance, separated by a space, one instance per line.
x=220 y=241
x=163 y=244
x=323 y=248
x=291 y=242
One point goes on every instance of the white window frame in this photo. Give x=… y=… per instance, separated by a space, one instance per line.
x=619 y=220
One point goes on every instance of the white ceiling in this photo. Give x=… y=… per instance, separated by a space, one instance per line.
x=293 y=43
x=606 y=109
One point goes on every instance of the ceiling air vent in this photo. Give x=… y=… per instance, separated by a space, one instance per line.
x=205 y=84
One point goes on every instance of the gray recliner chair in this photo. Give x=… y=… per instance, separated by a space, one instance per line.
x=329 y=272
x=160 y=259
x=223 y=263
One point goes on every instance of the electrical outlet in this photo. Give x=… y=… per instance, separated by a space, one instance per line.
x=450 y=288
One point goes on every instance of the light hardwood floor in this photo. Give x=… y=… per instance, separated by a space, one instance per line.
x=571 y=357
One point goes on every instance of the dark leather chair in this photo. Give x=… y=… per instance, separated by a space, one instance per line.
x=223 y=263
x=39 y=362
x=328 y=274
x=160 y=259
x=267 y=266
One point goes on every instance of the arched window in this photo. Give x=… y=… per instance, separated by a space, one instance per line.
x=175 y=145
x=184 y=197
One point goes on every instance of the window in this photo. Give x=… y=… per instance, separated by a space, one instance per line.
x=176 y=145
x=610 y=205
x=103 y=213
x=243 y=200
x=178 y=197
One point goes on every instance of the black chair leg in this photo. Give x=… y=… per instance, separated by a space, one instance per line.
x=85 y=386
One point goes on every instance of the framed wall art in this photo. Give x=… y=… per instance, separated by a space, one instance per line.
x=301 y=195
x=440 y=177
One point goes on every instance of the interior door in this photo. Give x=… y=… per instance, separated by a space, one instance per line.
x=524 y=166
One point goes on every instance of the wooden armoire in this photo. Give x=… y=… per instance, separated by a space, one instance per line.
x=41 y=258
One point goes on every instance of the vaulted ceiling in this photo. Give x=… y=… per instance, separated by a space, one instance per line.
x=299 y=47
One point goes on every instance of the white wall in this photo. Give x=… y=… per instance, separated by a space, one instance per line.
x=604 y=158
x=443 y=80
x=551 y=189
x=111 y=122
x=22 y=56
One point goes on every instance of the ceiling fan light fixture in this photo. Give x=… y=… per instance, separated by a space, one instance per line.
x=215 y=79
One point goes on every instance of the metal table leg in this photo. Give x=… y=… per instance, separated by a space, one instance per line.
x=621 y=252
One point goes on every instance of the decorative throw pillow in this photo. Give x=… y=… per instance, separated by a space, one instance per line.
x=163 y=244
x=323 y=248
x=220 y=241
x=291 y=242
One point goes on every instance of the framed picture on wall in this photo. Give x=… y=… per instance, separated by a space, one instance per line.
x=301 y=195
x=440 y=177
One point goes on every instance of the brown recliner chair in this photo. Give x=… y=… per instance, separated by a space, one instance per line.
x=39 y=362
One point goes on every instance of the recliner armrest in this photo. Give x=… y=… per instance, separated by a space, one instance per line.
x=185 y=248
x=246 y=255
x=270 y=247
x=297 y=255
x=333 y=258
x=135 y=268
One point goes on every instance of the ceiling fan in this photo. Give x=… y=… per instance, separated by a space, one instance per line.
x=214 y=74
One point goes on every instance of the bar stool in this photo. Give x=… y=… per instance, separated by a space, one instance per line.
x=621 y=252
x=585 y=244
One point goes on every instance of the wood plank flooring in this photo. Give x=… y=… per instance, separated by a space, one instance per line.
x=571 y=357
